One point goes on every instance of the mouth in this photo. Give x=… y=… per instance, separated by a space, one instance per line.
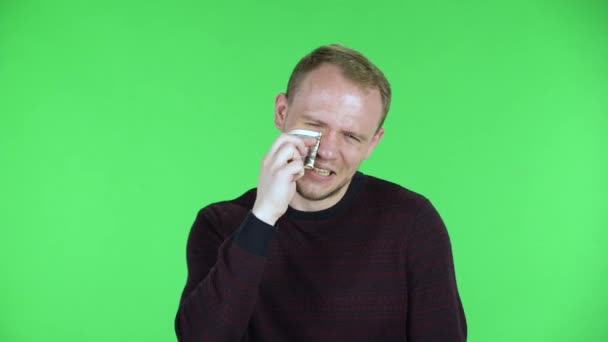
x=322 y=171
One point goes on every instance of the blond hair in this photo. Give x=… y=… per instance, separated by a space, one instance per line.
x=354 y=66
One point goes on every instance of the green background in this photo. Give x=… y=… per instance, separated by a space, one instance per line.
x=120 y=119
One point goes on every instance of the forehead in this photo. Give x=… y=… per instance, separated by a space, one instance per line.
x=326 y=94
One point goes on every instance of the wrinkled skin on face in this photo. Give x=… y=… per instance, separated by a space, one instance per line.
x=347 y=115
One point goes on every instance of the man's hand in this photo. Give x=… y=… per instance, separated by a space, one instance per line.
x=281 y=167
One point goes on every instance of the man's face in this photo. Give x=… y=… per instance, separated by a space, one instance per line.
x=347 y=115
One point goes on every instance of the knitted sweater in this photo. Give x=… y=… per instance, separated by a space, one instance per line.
x=377 y=266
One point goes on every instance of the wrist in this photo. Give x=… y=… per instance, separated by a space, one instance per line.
x=264 y=215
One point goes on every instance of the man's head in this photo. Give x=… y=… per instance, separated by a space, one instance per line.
x=338 y=92
x=354 y=66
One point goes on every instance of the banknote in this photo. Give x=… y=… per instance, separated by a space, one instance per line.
x=309 y=159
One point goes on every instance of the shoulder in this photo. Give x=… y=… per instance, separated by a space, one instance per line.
x=388 y=194
x=243 y=202
x=227 y=214
x=395 y=202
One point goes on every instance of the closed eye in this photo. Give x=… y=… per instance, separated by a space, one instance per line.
x=353 y=137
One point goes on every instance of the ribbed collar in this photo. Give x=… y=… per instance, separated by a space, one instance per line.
x=353 y=189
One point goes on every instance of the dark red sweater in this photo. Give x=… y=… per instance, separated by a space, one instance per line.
x=377 y=266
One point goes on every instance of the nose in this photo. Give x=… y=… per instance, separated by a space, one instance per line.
x=328 y=148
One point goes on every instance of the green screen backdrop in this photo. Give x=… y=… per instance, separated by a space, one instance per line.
x=120 y=119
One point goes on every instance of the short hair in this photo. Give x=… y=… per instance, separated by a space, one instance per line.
x=354 y=66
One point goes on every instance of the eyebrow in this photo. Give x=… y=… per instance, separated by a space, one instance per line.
x=315 y=120
x=310 y=118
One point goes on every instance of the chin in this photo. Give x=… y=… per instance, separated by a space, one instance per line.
x=312 y=195
x=306 y=191
x=313 y=191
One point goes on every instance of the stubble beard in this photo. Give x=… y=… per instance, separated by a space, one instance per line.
x=310 y=196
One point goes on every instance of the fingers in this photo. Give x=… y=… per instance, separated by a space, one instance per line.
x=287 y=153
x=281 y=140
x=295 y=170
x=284 y=159
x=301 y=143
x=281 y=167
x=309 y=141
x=288 y=162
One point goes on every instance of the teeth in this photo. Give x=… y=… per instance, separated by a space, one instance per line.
x=322 y=172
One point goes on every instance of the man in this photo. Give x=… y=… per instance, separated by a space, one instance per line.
x=328 y=253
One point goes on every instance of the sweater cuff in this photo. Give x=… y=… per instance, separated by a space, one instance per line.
x=254 y=235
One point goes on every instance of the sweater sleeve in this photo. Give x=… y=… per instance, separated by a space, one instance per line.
x=435 y=311
x=224 y=275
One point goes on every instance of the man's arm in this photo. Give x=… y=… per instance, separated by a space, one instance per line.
x=435 y=312
x=224 y=274
x=223 y=279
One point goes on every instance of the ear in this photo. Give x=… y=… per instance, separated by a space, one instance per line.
x=375 y=140
x=280 y=110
